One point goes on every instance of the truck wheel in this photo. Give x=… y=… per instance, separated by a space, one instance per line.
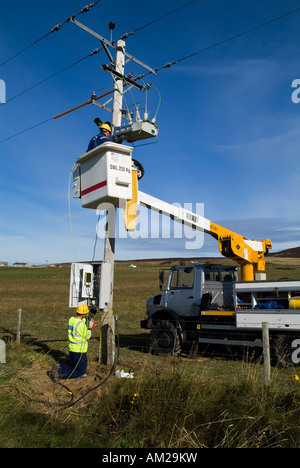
x=165 y=339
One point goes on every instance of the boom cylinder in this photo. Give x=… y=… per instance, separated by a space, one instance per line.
x=247 y=272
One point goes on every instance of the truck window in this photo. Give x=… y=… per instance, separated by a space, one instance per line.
x=212 y=274
x=227 y=275
x=182 y=279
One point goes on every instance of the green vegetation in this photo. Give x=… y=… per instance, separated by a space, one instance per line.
x=170 y=402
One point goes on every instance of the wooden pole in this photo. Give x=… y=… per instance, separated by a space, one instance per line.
x=266 y=351
x=108 y=328
x=18 y=336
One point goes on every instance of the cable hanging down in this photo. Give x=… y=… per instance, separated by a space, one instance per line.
x=54 y=29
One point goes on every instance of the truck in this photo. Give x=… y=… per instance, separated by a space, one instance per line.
x=200 y=303
x=207 y=304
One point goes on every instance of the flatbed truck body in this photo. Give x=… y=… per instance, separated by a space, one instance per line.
x=206 y=304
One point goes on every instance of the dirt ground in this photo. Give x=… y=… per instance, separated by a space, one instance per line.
x=35 y=384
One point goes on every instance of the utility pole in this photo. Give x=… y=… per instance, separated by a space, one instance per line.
x=118 y=94
x=117 y=69
x=108 y=325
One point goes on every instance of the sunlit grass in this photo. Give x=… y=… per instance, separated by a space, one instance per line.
x=179 y=402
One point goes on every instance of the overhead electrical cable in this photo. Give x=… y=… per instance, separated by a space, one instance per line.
x=229 y=39
x=92 y=53
x=23 y=50
x=57 y=116
x=125 y=36
x=26 y=130
x=54 y=29
x=96 y=51
x=170 y=64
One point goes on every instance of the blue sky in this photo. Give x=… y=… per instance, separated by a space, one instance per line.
x=229 y=133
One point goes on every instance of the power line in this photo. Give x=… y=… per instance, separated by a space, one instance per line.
x=23 y=50
x=232 y=38
x=96 y=51
x=170 y=64
x=125 y=36
x=54 y=29
x=51 y=118
x=26 y=130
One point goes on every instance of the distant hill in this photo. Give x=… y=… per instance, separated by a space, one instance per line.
x=288 y=253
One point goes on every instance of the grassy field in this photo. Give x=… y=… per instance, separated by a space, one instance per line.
x=170 y=403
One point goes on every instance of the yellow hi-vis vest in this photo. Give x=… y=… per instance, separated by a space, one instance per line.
x=79 y=335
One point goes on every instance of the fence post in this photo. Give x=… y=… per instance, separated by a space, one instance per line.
x=266 y=349
x=2 y=353
x=18 y=336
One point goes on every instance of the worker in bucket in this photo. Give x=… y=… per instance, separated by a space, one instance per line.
x=79 y=332
x=103 y=137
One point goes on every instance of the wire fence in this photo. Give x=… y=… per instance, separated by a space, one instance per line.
x=269 y=350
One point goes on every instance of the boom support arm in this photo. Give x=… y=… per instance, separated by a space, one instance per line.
x=248 y=253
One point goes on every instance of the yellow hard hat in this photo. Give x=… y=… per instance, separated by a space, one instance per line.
x=105 y=127
x=82 y=309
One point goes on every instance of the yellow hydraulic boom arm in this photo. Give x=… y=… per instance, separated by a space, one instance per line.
x=250 y=254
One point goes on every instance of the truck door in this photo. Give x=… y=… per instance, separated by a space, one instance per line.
x=180 y=295
x=218 y=281
x=213 y=285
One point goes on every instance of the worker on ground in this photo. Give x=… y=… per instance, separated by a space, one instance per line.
x=78 y=333
x=103 y=137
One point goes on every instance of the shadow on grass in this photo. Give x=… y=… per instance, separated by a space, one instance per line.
x=41 y=346
x=137 y=342
x=142 y=343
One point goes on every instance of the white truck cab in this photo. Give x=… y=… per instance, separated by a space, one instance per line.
x=188 y=286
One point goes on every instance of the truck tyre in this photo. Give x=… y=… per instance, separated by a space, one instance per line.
x=165 y=339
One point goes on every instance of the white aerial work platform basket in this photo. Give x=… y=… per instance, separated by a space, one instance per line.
x=103 y=175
